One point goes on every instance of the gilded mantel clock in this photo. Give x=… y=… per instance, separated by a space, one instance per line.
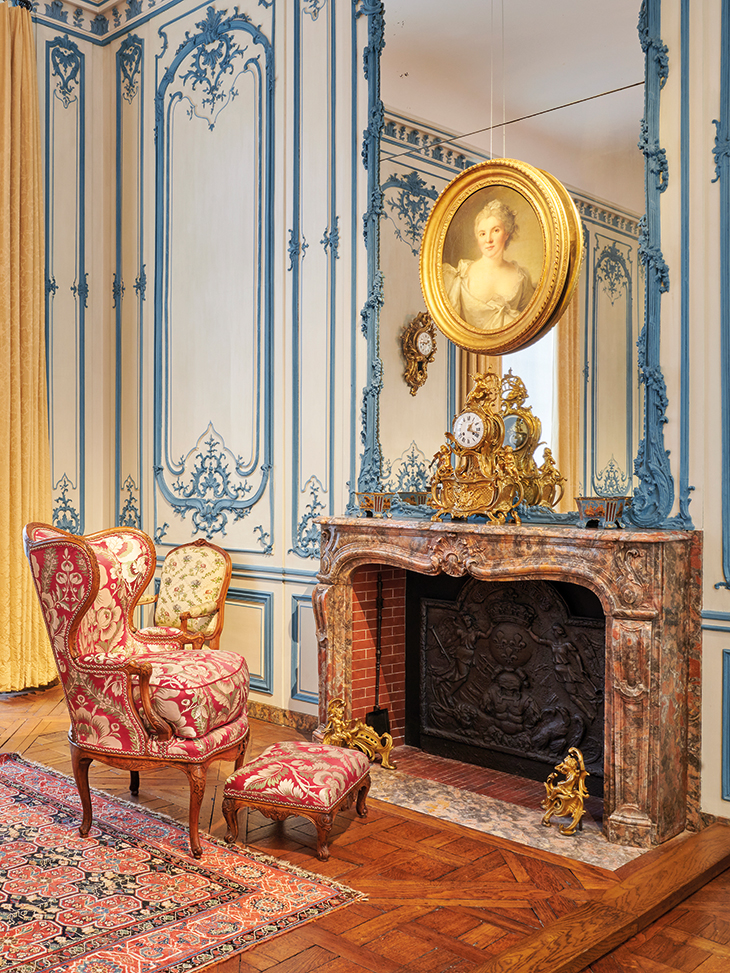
x=419 y=349
x=487 y=465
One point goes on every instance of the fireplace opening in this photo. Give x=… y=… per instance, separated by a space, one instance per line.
x=506 y=675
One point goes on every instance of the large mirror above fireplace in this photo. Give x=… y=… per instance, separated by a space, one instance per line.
x=569 y=95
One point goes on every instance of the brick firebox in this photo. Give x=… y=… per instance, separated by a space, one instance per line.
x=393 y=633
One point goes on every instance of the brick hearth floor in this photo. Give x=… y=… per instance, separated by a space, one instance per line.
x=480 y=780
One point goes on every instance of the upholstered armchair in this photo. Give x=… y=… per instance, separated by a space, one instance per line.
x=192 y=596
x=134 y=702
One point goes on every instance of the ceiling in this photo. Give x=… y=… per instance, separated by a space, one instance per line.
x=470 y=63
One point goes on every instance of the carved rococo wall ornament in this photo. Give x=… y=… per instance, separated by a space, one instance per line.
x=487 y=465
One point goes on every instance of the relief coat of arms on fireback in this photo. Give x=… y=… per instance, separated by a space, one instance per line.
x=508 y=669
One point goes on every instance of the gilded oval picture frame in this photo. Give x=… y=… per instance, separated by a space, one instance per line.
x=500 y=256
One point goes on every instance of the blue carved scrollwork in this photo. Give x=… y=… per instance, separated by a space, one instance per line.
x=129 y=515
x=80 y=289
x=117 y=291
x=210 y=486
x=331 y=238
x=65 y=514
x=370 y=476
x=313 y=7
x=134 y=8
x=56 y=12
x=409 y=474
x=130 y=63
x=66 y=66
x=212 y=59
x=612 y=272
x=409 y=206
x=99 y=25
x=140 y=284
x=654 y=497
x=296 y=246
x=371 y=463
x=306 y=540
x=611 y=481
x=264 y=538
x=160 y=533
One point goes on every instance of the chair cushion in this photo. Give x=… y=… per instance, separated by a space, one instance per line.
x=195 y=692
x=296 y=774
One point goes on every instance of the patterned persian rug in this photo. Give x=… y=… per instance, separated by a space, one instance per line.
x=129 y=897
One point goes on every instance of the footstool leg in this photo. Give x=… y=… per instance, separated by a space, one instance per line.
x=362 y=794
x=323 y=824
x=230 y=813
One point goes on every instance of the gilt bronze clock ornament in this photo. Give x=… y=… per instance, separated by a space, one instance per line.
x=419 y=349
x=500 y=256
x=487 y=466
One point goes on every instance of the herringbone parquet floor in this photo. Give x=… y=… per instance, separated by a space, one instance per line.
x=440 y=897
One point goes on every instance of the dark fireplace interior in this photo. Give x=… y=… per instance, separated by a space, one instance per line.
x=507 y=675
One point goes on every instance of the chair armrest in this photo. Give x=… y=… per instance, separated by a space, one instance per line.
x=143 y=671
x=210 y=609
x=195 y=639
x=146 y=600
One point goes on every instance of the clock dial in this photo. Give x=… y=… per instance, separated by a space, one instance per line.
x=468 y=429
x=424 y=343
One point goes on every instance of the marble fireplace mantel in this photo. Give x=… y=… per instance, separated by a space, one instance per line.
x=649 y=584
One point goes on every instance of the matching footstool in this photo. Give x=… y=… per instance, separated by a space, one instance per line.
x=309 y=779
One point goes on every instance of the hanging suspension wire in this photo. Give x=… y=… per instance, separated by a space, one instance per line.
x=491 y=81
x=504 y=102
x=512 y=121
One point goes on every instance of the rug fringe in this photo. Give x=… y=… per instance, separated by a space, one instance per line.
x=258 y=856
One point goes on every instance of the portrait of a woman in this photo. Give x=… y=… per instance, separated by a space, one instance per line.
x=491 y=291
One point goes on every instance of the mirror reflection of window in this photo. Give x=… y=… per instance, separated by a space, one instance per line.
x=534 y=365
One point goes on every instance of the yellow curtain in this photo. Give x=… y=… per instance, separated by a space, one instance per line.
x=25 y=480
x=568 y=369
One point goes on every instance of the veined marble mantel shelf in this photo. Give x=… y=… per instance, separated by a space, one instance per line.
x=649 y=584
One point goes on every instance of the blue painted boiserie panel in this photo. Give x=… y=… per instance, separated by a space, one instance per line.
x=313 y=249
x=261 y=682
x=128 y=314
x=215 y=467
x=67 y=287
x=299 y=602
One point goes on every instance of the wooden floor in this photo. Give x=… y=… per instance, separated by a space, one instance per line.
x=440 y=897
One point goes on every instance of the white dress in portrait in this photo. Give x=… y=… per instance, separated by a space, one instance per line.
x=498 y=311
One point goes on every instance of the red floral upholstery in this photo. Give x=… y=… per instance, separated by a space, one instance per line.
x=297 y=774
x=314 y=780
x=133 y=701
